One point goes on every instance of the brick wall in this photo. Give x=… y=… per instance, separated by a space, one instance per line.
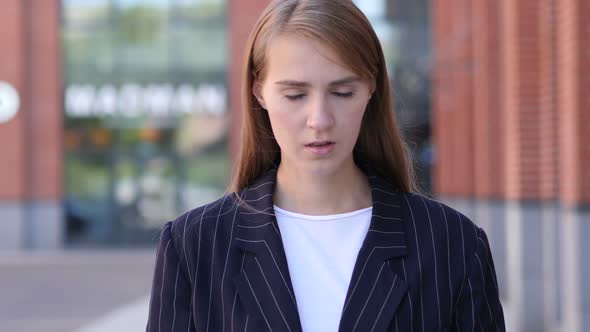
x=453 y=99
x=522 y=89
x=488 y=124
x=12 y=71
x=30 y=60
x=573 y=59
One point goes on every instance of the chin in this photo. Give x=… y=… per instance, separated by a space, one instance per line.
x=323 y=167
x=316 y=166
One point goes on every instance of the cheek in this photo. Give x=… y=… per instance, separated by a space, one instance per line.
x=350 y=124
x=354 y=115
x=285 y=125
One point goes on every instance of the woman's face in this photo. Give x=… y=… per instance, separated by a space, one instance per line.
x=314 y=103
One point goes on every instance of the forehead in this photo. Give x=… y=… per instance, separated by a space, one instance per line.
x=295 y=57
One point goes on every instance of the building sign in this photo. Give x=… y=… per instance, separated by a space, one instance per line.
x=9 y=102
x=153 y=100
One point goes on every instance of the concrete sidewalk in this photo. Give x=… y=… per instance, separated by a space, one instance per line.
x=75 y=290
x=129 y=318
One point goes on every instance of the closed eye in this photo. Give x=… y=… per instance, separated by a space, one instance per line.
x=295 y=97
x=337 y=94
x=343 y=94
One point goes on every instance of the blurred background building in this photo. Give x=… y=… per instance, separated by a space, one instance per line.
x=117 y=115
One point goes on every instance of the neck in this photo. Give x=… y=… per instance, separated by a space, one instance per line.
x=342 y=191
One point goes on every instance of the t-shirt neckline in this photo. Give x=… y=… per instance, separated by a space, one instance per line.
x=336 y=216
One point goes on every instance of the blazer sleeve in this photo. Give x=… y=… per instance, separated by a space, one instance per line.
x=478 y=306
x=170 y=301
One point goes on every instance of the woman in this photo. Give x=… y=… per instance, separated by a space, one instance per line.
x=321 y=230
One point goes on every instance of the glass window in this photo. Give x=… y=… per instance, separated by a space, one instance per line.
x=403 y=26
x=145 y=114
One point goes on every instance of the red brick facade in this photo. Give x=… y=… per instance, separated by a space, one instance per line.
x=573 y=61
x=31 y=142
x=509 y=102
x=12 y=71
x=454 y=76
x=488 y=125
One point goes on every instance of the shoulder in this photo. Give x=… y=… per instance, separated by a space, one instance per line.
x=206 y=215
x=435 y=209
x=193 y=233
x=204 y=219
x=445 y=226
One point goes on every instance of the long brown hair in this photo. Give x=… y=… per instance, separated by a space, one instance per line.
x=344 y=28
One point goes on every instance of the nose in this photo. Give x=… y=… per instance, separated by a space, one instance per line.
x=320 y=115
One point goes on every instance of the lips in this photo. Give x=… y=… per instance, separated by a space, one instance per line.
x=319 y=144
x=320 y=148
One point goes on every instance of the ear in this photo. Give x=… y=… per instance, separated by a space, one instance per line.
x=257 y=92
x=372 y=86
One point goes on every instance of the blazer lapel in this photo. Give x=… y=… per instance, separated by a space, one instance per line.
x=264 y=284
x=376 y=290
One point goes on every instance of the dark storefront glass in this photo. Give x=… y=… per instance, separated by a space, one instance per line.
x=403 y=27
x=145 y=114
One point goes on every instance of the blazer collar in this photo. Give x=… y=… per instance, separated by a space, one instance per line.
x=374 y=291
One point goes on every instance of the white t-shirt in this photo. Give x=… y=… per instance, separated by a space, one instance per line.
x=321 y=252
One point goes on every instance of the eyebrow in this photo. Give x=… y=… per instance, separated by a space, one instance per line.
x=299 y=84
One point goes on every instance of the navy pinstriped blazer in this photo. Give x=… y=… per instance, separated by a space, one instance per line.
x=422 y=267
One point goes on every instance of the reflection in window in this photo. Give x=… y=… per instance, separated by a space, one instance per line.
x=403 y=27
x=145 y=114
